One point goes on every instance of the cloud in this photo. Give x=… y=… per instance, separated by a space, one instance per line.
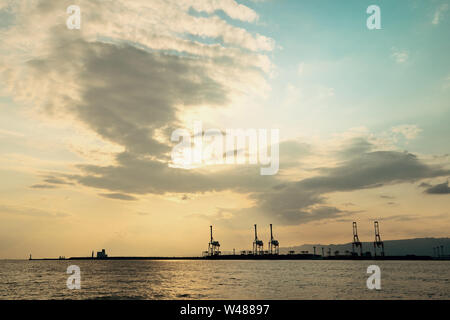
x=128 y=74
x=232 y=54
x=441 y=188
x=118 y=196
x=400 y=56
x=288 y=201
x=138 y=175
x=43 y=186
x=230 y=7
x=32 y=212
x=411 y=217
x=127 y=93
x=409 y=131
x=51 y=182
x=349 y=204
x=354 y=147
x=293 y=152
x=315 y=214
x=424 y=185
x=305 y=200
x=439 y=13
x=372 y=169
x=54 y=180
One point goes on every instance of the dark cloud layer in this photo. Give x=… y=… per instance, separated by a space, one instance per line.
x=371 y=169
x=127 y=93
x=138 y=175
x=118 y=196
x=355 y=147
x=441 y=188
x=290 y=202
x=43 y=186
x=297 y=202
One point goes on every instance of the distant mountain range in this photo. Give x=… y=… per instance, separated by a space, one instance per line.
x=419 y=246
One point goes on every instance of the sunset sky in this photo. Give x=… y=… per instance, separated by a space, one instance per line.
x=86 y=117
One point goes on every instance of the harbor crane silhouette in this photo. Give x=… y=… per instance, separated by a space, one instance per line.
x=213 y=246
x=378 y=243
x=258 y=245
x=356 y=243
x=274 y=245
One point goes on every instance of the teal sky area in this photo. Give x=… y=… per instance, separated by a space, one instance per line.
x=372 y=88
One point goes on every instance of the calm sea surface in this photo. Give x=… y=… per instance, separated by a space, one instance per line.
x=22 y=279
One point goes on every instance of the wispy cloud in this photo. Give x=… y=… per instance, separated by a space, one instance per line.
x=439 y=13
x=409 y=131
x=118 y=196
x=400 y=56
x=32 y=212
x=43 y=186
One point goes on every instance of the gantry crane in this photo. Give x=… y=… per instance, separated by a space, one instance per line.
x=378 y=243
x=258 y=246
x=213 y=246
x=356 y=243
x=274 y=245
